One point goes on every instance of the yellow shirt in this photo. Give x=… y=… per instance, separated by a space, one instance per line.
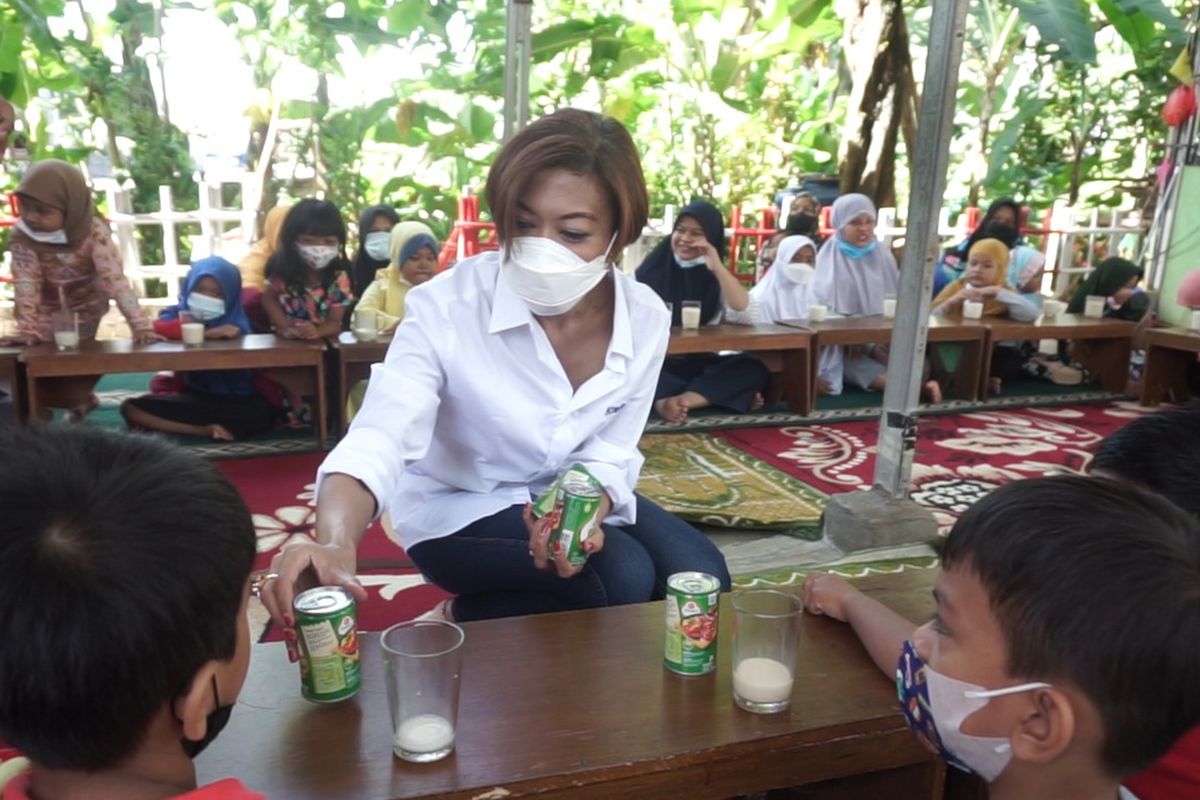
x=386 y=296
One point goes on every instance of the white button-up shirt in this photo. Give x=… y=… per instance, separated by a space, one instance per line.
x=471 y=411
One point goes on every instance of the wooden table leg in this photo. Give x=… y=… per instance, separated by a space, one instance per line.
x=322 y=405
x=343 y=393
x=970 y=377
x=1166 y=375
x=798 y=380
x=1108 y=359
x=32 y=397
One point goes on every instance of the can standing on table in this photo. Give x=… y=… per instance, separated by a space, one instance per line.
x=328 y=637
x=692 y=604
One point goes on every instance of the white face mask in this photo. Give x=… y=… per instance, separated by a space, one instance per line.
x=45 y=237
x=688 y=263
x=377 y=244
x=951 y=701
x=798 y=273
x=549 y=277
x=203 y=307
x=318 y=256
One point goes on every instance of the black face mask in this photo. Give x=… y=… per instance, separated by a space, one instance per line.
x=218 y=718
x=1003 y=231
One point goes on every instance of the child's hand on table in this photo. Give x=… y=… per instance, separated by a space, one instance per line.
x=827 y=595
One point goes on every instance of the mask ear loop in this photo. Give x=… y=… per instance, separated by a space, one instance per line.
x=1024 y=687
x=608 y=249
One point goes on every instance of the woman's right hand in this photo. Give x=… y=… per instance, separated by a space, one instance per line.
x=303 y=564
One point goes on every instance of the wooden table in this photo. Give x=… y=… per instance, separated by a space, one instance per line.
x=354 y=360
x=1106 y=343
x=12 y=380
x=44 y=363
x=877 y=329
x=783 y=348
x=1169 y=353
x=579 y=705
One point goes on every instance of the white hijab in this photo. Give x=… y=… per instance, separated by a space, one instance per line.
x=847 y=285
x=783 y=294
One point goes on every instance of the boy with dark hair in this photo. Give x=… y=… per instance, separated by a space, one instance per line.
x=1066 y=643
x=126 y=568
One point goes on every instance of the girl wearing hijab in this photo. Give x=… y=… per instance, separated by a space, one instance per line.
x=985 y=280
x=688 y=265
x=782 y=294
x=1001 y=221
x=852 y=278
x=64 y=258
x=253 y=266
x=413 y=254
x=215 y=404
x=374 y=242
x=1116 y=279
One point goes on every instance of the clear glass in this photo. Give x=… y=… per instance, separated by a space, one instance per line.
x=818 y=312
x=889 y=306
x=766 y=630
x=191 y=329
x=690 y=314
x=1195 y=323
x=1051 y=308
x=365 y=324
x=424 y=661
x=66 y=330
x=1094 y=307
x=972 y=309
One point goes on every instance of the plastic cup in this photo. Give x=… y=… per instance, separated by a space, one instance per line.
x=424 y=661
x=66 y=330
x=690 y=315
x=1094 y=307
x=191 y=329
x=818 y=312
x=766 y=630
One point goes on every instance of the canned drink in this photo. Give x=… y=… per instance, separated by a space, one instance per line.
x=693 y=600
x=577 y=504
x=328 y=638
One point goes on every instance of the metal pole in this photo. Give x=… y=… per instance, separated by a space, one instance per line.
x=898 y=424
x=517 y=56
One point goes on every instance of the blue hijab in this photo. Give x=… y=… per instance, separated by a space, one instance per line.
x=226 y=382
x=230 y=281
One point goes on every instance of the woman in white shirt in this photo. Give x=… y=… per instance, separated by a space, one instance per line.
x=507 y=370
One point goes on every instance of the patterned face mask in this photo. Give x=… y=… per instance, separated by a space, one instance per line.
x=935 y=706
x=318 y=256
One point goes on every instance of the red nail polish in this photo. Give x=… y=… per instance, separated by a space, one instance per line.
x=289 y=620
x=289 y=634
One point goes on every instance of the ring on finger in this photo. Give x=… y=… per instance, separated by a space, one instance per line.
x=259 y=582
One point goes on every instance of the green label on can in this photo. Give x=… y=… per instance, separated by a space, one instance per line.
x=693 y=600
x=328 y=639
x=575 y=497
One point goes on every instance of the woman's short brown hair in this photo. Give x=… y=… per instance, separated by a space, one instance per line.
x=581 y=142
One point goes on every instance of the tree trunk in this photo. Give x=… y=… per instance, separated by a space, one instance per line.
x=882 y=100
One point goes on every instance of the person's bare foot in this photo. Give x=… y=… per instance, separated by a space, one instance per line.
x=932 y=391
x=220 y=433
x=80 y=412
x=672 y=409
x=758 y=402
x=995 y=385
x=824 y=387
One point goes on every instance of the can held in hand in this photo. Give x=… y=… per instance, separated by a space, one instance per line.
x=327 y=632
x=577 y=506
x=693 y=600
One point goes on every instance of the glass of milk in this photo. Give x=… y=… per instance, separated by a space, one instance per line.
x=689 y=314
x=365 y=324
x=423 y=660
x=766 y=628
x=889 y=306
x=66 y=330
x=191 y=330
x=972 y=309
x=1094 y=306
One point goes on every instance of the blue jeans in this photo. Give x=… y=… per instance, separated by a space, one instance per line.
x=487 y=564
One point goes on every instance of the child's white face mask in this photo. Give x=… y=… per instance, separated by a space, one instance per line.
x=45 y=237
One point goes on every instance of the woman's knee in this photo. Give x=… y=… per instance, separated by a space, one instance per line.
x=625 y=571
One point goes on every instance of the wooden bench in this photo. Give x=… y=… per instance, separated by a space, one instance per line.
x=1105 y=344
x=784 y=349
x=964 y=381
x=354 y=360
x=44 y=364
x=12 y=380
x=1169 y=353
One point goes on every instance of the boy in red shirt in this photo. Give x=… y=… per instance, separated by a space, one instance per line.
x=126 y=566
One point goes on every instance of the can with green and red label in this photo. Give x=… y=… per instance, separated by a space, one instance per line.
x=575 y=500
x=693 y=600
x=327 y=632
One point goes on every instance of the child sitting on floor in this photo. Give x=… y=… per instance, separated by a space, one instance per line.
x=217 y=404
x=1063 y=653
x=127 y=570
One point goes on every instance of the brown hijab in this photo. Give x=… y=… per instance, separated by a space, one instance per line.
x=58 y=184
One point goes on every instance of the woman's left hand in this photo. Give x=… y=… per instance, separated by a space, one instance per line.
x=147 y=337
x=539 y=538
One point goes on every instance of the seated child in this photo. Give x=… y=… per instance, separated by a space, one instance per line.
x=1117 y=280
x=985 y=280
x=217 y=404
x=413 y=251
x=127 y=570
x=782 y=293
x=1063 y=653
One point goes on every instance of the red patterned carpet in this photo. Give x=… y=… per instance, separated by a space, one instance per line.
x=959 y=458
